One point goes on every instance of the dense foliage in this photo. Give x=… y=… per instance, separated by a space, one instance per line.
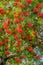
x=21 y=31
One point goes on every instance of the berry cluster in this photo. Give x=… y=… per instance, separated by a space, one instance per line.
x=21 y=31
